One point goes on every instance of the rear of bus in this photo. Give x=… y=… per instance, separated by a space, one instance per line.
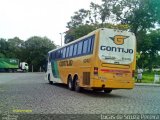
x=116 y=60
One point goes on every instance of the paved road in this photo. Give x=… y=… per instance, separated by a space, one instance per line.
x=29 y=91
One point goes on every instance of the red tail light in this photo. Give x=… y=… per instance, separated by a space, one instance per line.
x=133 y=73
x=95 y=70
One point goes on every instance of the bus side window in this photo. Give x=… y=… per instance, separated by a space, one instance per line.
x=64 y=52
x=80 y=48
x=89 y=45
x=92 y=44
x=58 y=54
x=75 y=50
x=71 y=51
x=85 y=45
x=61 y=54
x=49 y=57
x=53 y=56
x=67 y=52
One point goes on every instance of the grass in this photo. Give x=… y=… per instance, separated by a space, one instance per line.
x=148 y=77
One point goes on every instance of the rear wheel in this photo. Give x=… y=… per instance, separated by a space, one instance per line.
x=49 y=79
x=108 y=90
x=70 y=84
x=76 y=85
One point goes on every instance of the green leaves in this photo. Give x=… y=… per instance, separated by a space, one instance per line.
x=78 y=32
x=149 y=49
x=36 y=49
x=3 y=47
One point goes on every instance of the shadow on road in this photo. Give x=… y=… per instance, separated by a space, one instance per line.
x=101 y=94
x=91 y=93
x=59 y=85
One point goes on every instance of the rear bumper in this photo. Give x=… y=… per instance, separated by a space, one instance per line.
x=113 y=84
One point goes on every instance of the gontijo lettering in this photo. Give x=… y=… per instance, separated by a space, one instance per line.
x=116 y=49
x=66 y=63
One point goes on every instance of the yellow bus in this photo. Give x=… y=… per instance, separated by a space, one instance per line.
x=104 y=59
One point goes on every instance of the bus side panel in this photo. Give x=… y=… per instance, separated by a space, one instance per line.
x=81 y=66
x=55 y=71
x=52 y=70
x=74 y=66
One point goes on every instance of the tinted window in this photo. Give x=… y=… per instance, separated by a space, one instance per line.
x=70 y=50
x=80 y=48
x=92 y=44
x=61 y=54
x=67 y=53
x=49 y=57
x=75 y=50
x=53 y=55
x=89 y=45
x=64 y=52
x=58 y=54
x=85 y=45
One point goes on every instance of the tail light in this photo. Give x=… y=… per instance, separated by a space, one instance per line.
x=133 y=73
x=95 y=70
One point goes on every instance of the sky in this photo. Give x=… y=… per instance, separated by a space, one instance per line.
x=27 y=18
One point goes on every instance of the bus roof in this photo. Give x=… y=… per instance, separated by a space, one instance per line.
x=79 y=39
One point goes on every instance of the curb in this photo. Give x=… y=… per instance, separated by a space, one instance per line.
x=147 y=84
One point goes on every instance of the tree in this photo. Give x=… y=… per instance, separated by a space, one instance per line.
x=78 y=18
x=141 y=15
x=15 y=48
x=98 y=16
x=35 y=51
x=109 y=10
x=78 y=32
x=82 y=30
x=95 y=15
x=150 y=50
x=3 y=47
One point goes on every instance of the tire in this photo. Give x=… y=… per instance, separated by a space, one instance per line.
x=49 y=79
x=70 y=84
x=108 y=90
x=76 y=85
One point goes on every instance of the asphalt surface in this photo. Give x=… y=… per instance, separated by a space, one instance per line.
x=30 y=93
